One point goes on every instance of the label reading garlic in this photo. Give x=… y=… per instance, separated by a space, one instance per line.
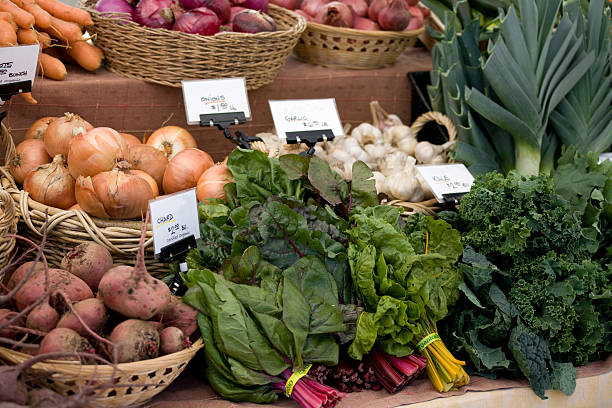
x=300 y=115
x=174 y=217
x=447 y=181
x=210 y=96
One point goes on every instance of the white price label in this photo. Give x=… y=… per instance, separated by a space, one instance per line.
x=18 y=63
x=209 y=96
x=447 y=179
x=174 y=217
x=299 y=115
x=605 y=156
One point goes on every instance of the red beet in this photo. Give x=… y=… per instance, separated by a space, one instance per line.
x=43 y=317
x=64 y=340
x=134 y=340
x=60 y=280
x=179 y=314
x=172 y=339
x=7 y=315
x=91 y=311
x=89 y=261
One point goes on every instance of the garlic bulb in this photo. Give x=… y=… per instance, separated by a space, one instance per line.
x=439 y=159
x=424 y=186
x=354 y=149
x=425 y=151
x=407 y=145
x=380 y=181
x=366 y=134
x=394 y=134
x=403 y=185
x=393 y=162
x=320 y=152
x=376 y=151
x=338 y=155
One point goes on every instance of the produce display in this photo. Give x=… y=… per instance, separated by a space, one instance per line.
x=374 y=15
x=56 y=27
x=203 y=17
x=66 y=163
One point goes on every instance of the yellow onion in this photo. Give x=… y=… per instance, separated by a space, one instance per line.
x=118 y=193
x=150 y=160
x=147 y=177
x=130 y=140
x=171 y=140
x=212 y=181
x=51 y=184
x=28 y=155
x=38 y=129
x=61 y=131
x=95 y=151
x=184 y=170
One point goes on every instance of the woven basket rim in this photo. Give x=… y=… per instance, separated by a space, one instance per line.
x=332 y=30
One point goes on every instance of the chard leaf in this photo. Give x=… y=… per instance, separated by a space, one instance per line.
x=295 y=166
x=365 y=336
x=234 y=391
x=327 y=182
x=363 y=186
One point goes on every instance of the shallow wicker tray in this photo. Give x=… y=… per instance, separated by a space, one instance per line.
x=66 y=229
x=69 y=377
x=8 y=225
x=355 y=49
x=166 y=57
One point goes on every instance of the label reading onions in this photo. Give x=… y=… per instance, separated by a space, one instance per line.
x=174 y=217
x=209 y=96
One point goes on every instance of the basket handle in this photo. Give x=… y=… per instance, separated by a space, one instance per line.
x=440 y=119
x=6 y=141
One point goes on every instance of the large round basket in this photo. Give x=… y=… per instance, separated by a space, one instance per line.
x=166 y=57
x=355 y=49
x=8 y=225
x=68 y=228
x=69 y=377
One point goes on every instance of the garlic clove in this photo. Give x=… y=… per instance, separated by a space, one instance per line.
x=366 y=133
x=407 y=145
x=393 y=162
x=394 y=134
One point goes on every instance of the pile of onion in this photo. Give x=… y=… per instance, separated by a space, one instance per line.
x=51 y=184
x=28 y=155
x=184 y=170
x=150 y=160
x=211 y=182
x=171 y=140
x=62 y=130
x=39 y=128
x=96 y=151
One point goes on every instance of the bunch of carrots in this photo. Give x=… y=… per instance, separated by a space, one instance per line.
x=57 y=27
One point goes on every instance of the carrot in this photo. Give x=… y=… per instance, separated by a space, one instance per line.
x=65 y=12
x=51 y=67
x=64 y=30
x=9 y=18
x=8 y=36
x=31 y=36
x=29 y=98
x=21 y=17
x=41 y=17
x=86 y=55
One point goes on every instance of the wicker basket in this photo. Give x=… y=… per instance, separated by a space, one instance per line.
x=69 y=377
x=8 y=225
x=166 y=57
x=66 y=229
x=355 y=49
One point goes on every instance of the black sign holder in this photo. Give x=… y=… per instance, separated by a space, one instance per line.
x=452 y=199
x=223 y=121
x=177 y=252
x=310 y=138
x=10 y=89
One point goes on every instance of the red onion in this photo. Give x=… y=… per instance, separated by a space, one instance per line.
x=200 y=20
x=154 y=13
x=304 y=14
x=115 y=6
x=395 y=16
x=260 y=5
x=335 y=14
x=412 y=2
x=417 y=20
x=375 y=7
x=253 y=21
x=361 y=23
x=288 y=4
x=234 y=11
x=220 y=7
x=312 y=7
x=360 y=7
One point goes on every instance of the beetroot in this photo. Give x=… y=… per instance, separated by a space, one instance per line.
x=134 y=340
x=172 y=339
x=89 y=261
x=23 y=271
x=5 y=316
x=92 y=312
x=43 y=317
x=64 y=340
x=179 y=314
x=59 y=280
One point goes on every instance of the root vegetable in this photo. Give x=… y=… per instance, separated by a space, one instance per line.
x=51 y=184
x=5 y=316
x=64 y=340
x=184 y=170
x=253 y=22
x=335 y=14
x=150 y=180
x=172 y=339
x=42 y=19
x=92 y=312
x=28 y=155
x=130 y=140
x=65 y=12
x=171 y=140
x=51 y=67
x=43 y=317
x=179 y=314
x=88 y=56
x=95 y=152
x=89 y=261
x=425 y=152
x=66 y=31
x=60 y=280
x=23 y=271
x=211 y=182
x=150 y=160
x=8 y=17
x=8 y=38
x=20 y=16
x=134 y=340
x=61 y=131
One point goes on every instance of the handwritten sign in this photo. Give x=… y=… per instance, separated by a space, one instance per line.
x=209 y=96
x=298 y=115
x=605 y=156
x=447 y=181
x=174 y=217
x=18 y=63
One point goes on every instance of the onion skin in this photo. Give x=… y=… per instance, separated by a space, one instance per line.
x=130 y=140
x=302 y=13
x=211 y=182
x=394 y=17
x=154 y=13
x=38 y=129
x=234 y=11
x=253 y=22
x=62 y=130
x=221 y=8
x=115 y=6
x=375 y=7
x=361 y=23
x=201 y=20
x=51 y=184
x=312 y=7
x=185 y=169
x=146 y=177
x=335 y=14
x=95 y=152
x=150 y=160
x=28 y=155
x=171 y=140
x=288 y=4
x=259 y=5
x=118 y=194
x=360 y=7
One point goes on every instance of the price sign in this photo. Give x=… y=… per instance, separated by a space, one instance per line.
x=210 y=96
x=174 y=217
x=299 y=115
x=605 y=156
x=18 y=63
x=447 y=181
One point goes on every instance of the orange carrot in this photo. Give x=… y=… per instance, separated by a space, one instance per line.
x=65 y=30
x=8 y=17
x=41 y=17
x=7 y=34
x=29 y=98
x=21 y=17
x=65 y=12
x=31 y=36
x=86 y=55
x=51 y=67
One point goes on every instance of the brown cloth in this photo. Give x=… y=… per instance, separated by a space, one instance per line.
x=107 y=99
x=191 y=392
